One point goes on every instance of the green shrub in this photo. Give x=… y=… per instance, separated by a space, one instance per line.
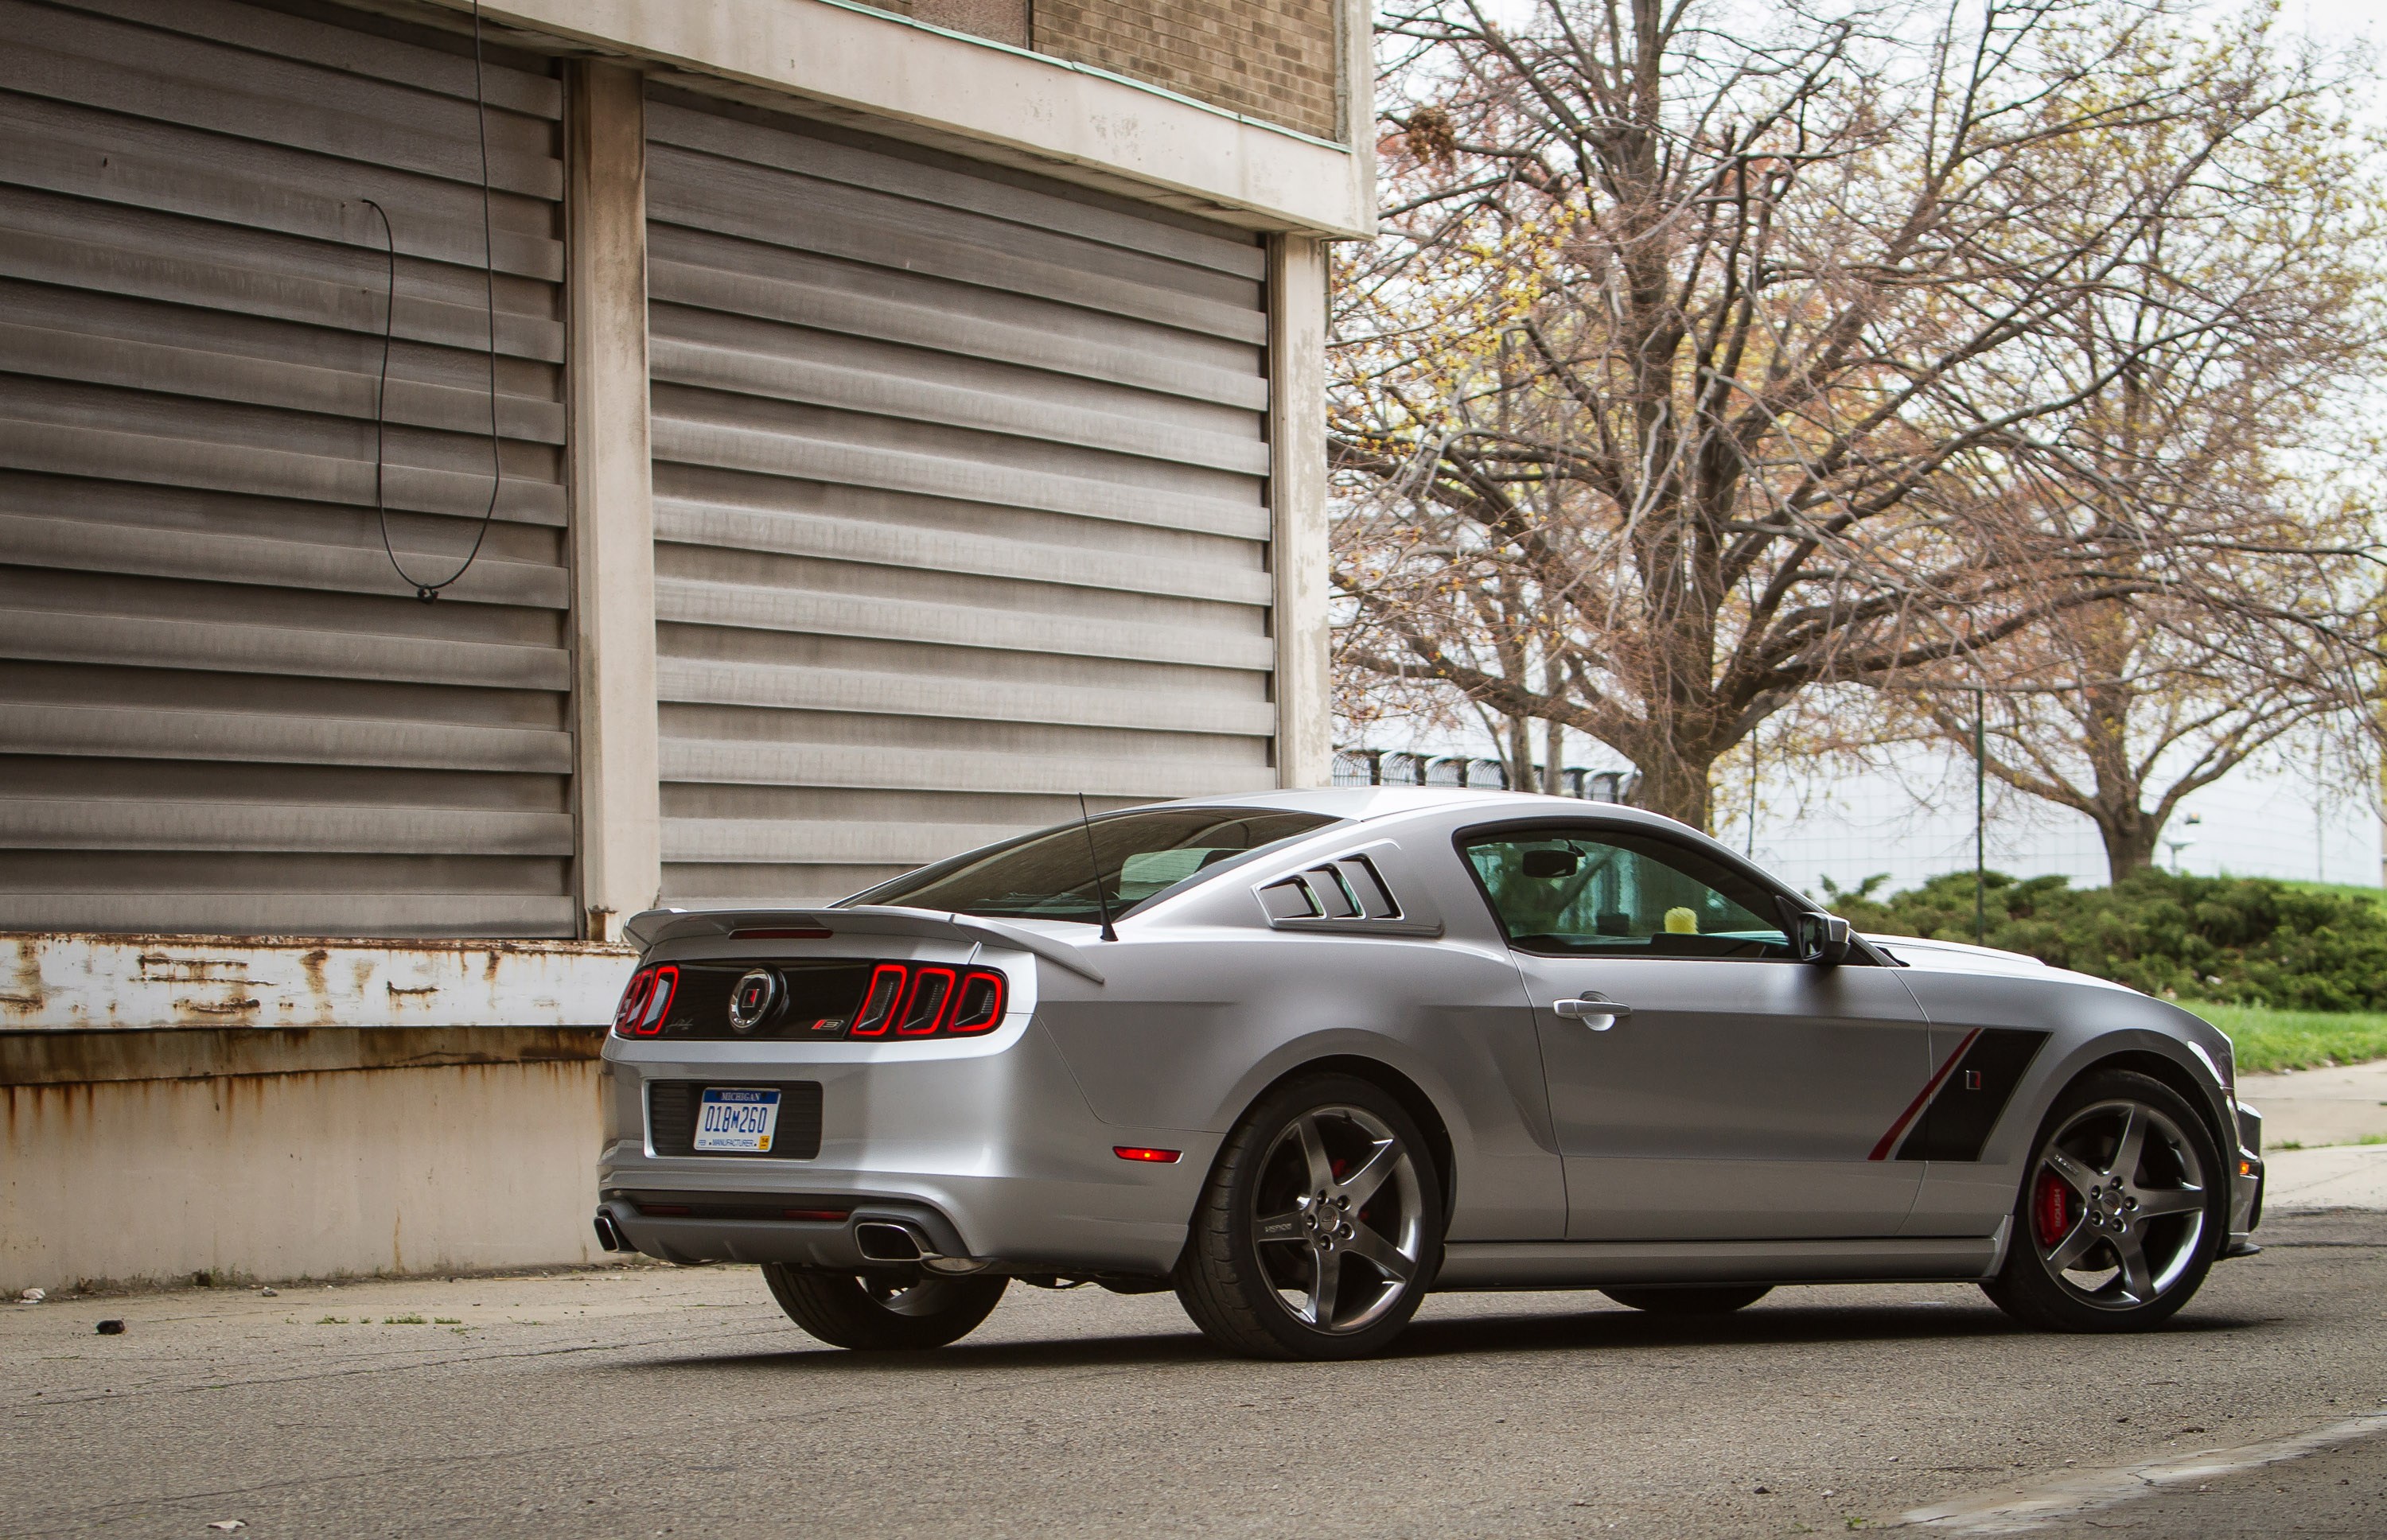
x=2234 y=940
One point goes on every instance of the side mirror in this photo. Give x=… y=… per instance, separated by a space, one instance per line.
x=1819 y=939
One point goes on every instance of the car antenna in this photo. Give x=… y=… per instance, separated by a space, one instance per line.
x=1095 y=860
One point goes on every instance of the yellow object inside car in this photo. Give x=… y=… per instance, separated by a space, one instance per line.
x=1681 y=922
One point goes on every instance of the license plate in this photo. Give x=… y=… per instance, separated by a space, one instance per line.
x=737 y=1121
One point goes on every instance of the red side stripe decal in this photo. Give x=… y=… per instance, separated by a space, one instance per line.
x=1881 y=1151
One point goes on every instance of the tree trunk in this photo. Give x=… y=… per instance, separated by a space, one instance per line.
x=2120 y=789
x=2131 y=837
x=1521 y=755
x=1678 y=788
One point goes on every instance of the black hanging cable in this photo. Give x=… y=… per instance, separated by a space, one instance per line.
x=429 y=591
x=1094 y=857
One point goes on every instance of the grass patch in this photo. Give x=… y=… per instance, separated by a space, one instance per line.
x=2338 y=889
x=2268 y=1039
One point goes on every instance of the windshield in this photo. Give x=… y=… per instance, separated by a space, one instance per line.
x=1050 y=875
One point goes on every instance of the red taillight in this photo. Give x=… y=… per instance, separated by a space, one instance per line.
x=916 y=1000
x=978 y=1005
x=640 y=1015
x=634 y=1000
x=1158 y=1157
x=924 y=1007
x=878 y=1001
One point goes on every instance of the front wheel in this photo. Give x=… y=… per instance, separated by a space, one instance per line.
x=1319 y=1228
x=1694 y=1300
x=907 y=1307
x=2121 y=1213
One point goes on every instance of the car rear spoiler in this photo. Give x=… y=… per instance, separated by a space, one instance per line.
x=868 y=919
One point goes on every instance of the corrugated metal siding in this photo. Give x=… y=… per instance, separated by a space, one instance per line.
x=221 y=710
x=960 y=505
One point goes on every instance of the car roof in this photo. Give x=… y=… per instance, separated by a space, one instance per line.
x=1361 y=803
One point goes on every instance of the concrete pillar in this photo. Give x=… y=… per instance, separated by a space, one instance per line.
x=1305 y=728
x=612 y=499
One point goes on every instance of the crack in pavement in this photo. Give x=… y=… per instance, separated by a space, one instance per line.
x=2018 y=1511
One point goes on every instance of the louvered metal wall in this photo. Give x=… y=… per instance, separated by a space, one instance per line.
x=219 y=709
x=959 y=501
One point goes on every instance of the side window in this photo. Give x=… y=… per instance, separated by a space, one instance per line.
x=1612 y=892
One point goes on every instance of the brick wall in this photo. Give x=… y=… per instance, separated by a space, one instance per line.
x=1004 y=21
x=1271 y=59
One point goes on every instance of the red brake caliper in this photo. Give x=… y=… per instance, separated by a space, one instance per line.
x=2052 y=1205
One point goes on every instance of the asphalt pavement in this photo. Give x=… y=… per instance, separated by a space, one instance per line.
x=651 y=1401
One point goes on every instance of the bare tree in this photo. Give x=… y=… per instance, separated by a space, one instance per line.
x=2124 y=713
x=1701 y=368
x=2230 y=449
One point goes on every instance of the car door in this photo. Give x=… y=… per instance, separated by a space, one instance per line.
x=1732 y=1092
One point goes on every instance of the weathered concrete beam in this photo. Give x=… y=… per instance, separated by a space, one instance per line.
x=82 y=982
x=1297 y=491
x=618 y=739
x=986 y=100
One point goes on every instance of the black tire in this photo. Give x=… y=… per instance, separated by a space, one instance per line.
x=1699 y=1300
x=1352 y=1213
x=903 y=1308
x=2107 y=1238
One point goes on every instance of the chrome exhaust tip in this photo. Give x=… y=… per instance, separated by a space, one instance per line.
x=607 y=1236
x=881 y=1241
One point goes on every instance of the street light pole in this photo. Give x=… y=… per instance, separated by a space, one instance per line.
x=1980 y=816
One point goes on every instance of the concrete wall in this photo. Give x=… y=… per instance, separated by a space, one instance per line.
x=273 y=1107
x=152 y=1156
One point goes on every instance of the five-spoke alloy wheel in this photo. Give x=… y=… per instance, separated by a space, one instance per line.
x=1319 y=1228
x=2121 y=1213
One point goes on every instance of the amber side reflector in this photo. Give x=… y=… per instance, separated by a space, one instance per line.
x=810 y=934
x=1158 y=1157
x=2245 y=1167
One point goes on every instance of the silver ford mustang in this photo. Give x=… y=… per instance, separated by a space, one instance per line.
x=1304 y=1056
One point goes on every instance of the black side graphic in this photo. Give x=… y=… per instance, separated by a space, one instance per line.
x=1971 y=1099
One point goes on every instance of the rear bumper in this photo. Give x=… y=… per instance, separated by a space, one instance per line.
x=985 y=1150
x=708 y=1227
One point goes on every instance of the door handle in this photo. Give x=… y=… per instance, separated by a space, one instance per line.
x=1599 y=1015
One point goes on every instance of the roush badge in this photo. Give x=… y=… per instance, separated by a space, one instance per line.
x=751 y=1002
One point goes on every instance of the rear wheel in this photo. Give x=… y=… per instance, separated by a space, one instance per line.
x=904 y=1307
x=1319 y=1228
x=1691 y=1301
x=2121 y=1214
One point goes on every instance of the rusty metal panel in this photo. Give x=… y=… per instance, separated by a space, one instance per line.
x=960 y=503
x=221 y=708
x=79 y=983
x=67 y=1057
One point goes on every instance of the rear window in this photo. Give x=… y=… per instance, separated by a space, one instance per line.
x=1050 y=875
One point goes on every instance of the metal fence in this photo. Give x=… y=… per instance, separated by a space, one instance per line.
x=1377 y=767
